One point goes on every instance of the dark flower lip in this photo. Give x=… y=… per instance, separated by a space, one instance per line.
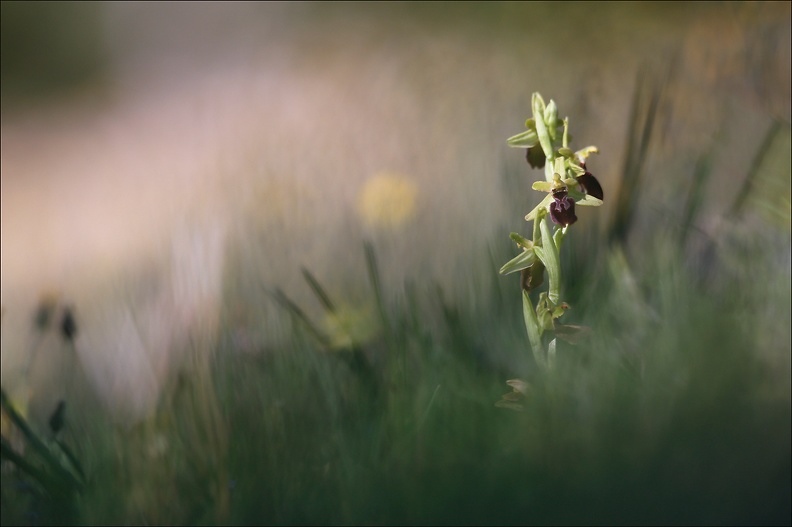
x=562 y=208
x=590 y=185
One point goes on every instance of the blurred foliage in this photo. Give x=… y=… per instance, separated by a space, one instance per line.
x=673 y=412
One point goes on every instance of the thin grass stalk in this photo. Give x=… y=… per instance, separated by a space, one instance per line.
x=639 y=136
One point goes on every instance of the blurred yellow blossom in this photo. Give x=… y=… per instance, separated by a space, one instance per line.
x=348 y=326
x=387 y=200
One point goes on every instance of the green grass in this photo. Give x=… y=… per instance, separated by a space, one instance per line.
x=670 y=413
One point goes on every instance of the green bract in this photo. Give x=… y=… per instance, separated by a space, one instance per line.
x=520 y=262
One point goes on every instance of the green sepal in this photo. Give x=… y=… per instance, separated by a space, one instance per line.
x=559 y=310
x=576 y=170
x=544 y=186
x=583 y=153
x=542 y=205
x=586 y=200
x=526 y=139
x=566 y=152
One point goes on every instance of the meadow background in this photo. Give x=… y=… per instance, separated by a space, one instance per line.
x=279 y=227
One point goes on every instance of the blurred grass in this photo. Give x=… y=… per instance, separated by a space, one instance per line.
x=673 y=412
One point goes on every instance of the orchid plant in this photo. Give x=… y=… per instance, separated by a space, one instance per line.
x=568 y=183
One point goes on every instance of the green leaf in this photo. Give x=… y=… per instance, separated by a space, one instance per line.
x=520 y=262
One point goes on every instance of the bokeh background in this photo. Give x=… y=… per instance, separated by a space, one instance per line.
x=171 y=171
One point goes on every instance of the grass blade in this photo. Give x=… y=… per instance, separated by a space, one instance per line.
x=319 y=291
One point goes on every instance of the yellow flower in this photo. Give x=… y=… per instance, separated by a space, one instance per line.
x=349 y=326
x=387 y=200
